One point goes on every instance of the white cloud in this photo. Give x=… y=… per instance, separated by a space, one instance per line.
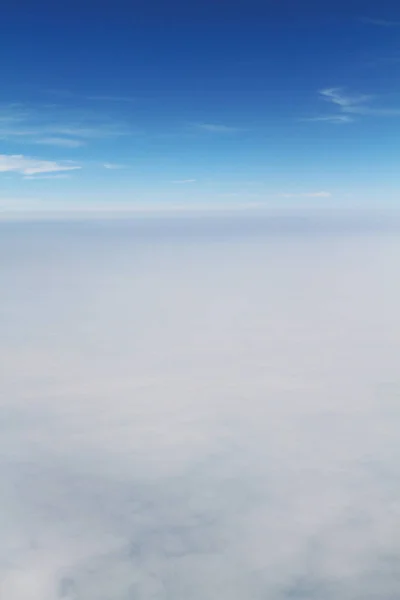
x=238 y=439
x=96 y=131
x=59 y=141
x=56 y=176
x=380 y=112
x=184 y=181
x=380 y=22
x=128 y=99
x=216 y=128
x=56 y=123
x=331 y=119
x=96 y=97
x=113 y=166
x=345 y=101
x=9 y=132
x=357 y=104
x=58 y=129
x=30 y=166
x=11 y=115
x=307 y=195
x=384 y=60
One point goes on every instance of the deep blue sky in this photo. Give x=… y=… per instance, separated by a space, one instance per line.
x=200 y=102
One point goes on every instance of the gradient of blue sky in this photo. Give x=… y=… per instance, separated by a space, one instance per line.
x=124 y=102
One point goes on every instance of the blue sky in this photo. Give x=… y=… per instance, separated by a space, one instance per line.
x=240 y=102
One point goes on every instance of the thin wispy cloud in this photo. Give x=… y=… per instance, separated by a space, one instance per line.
x=331 y=119
x=127 y=99
x=113 y=166
x=63 y=136
x=57 y=124
x=183 y=181
x=350 y=105
x=380 y=22
x=384 y=60
x=59 y=141
x=26 y=165
x=56 y=176
x=11 y=116
x=61 y=93
x=322 y=194
x=94 y=97
x=216 y=128
x=95 y=131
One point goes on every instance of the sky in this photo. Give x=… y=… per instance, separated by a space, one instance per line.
x=200 y=408
x=203 y=404
x=133 y=104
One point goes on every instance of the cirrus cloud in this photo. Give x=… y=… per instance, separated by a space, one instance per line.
x=356 y=104
x=307 y=195
x=350 y=106
x=216 y=128
x=60 y=141
x=18 y=163
x=113 y=166
x=183 y=181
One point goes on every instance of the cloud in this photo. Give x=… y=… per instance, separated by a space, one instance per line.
x=380 y=22
x=331 y=119
x=95 y=97
x=59 y=141
x=57 y=126
x=384 y=60
x=238 y=439
x=56 y=176
x=112 y=166
x=307 y=195
x=184 y=181
x=346 y=102
x=58 y=129
x=30 y=166
x=352 y=104
x=99 y=131
x=11 y=114
x=216 y=128
x=112 y=98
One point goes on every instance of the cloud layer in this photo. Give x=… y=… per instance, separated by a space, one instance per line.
x=199 y=408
